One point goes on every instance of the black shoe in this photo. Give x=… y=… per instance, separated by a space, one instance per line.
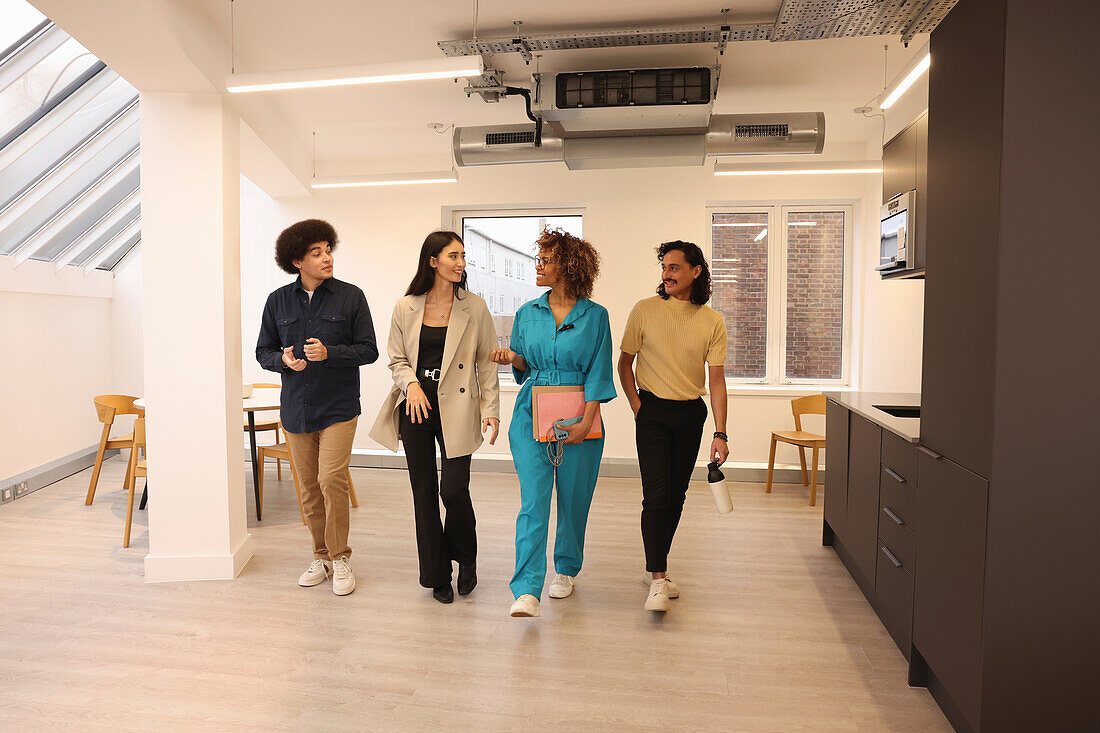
x=444 y=594
x=467 y=578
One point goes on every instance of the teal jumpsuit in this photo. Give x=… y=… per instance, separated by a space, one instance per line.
x=578 y=353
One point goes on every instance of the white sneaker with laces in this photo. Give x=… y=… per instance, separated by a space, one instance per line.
x=673 y=589
x=343 y=582
x=562 y=587
x=658 y=596
x=315 y=574
x=526 y=606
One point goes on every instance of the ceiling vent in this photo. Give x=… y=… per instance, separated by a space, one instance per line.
x=627 y=102
x=797 y=133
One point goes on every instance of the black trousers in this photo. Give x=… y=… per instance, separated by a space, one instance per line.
x=437 y=543
x=668 y=434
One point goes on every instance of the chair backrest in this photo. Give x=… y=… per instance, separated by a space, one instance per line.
x=108 y=406
x=139 y=432
x=266 y=385
x=811 y=405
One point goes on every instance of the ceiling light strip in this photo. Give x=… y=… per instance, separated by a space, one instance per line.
x=332 y=76
x=385 y=179
x=910 y=78
x=797 y=169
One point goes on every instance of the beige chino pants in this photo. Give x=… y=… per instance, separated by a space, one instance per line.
x=321 y=459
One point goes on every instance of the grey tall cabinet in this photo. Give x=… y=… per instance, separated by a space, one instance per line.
x=1006 y=599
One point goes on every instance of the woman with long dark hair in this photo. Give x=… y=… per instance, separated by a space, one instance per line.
x=445 y=390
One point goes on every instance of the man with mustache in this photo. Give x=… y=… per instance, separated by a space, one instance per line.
x=674 y=336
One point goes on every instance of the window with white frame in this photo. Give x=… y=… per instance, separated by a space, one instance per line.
x=782 y=282
x=511 y=235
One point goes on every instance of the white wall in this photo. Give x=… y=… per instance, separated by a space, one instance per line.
x=69 y=336
x=627 y=213
x=56 y=358
x=127 y=374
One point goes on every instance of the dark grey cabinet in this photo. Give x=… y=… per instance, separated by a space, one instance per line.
x=904 y=169
x=836 y=469
x=964 y=158
x=860 y=537
x=899 y=164
x=947 y=599
x=921 y=141
x=897 y=537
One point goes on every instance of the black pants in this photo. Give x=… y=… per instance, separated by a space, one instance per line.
x=438 y=544
x=668 y=434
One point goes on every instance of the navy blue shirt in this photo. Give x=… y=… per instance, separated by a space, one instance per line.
x=325 y=392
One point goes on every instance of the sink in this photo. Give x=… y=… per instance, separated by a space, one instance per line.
x=899 y=410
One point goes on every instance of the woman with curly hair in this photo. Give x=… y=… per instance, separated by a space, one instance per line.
x=562 y=338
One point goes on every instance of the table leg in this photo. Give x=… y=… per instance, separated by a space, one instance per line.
x=255 y=461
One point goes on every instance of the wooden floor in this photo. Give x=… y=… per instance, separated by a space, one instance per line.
x=770 y=634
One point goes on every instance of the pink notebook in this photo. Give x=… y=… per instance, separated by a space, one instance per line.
x=552 y=403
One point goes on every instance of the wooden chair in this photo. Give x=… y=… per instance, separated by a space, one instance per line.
x=281 y=451
x=108 y=407
x=811 y=405
x=270 y=423
x=134 y=469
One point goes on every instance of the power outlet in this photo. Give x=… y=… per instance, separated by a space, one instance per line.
x=21 y=489
x=7 y=494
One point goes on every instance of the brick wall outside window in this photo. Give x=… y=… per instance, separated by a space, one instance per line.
x=742 y=302
x=813 y=292
x=815 y=295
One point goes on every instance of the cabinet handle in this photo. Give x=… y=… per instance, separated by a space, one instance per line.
x=891 y=556
x=890 y=513
x=894 y=474
x=929 y=453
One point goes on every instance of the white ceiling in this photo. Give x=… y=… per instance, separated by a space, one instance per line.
x=384 y=127
x=376 y=126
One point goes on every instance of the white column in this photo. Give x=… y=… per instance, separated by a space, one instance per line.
x=190 y=211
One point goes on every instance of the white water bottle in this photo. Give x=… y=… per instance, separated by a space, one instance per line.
x=718 y=487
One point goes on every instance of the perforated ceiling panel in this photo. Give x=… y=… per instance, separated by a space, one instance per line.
x=797 y=20
x=655 y=36
x=801 y=20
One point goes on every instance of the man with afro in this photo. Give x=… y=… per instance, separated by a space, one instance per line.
x=316 y=333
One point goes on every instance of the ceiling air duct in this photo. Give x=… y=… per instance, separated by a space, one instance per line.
x=797 y=133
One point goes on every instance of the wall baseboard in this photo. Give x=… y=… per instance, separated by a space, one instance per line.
x=610 y=467
x=54 y=471
x=178 y=568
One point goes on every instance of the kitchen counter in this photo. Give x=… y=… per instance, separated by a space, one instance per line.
x=863 y=404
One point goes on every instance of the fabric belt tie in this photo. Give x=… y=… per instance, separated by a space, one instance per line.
x=557 y=376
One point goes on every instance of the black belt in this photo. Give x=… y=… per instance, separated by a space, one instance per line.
x=432 y=374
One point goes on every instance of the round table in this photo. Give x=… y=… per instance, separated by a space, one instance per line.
x=262 y=399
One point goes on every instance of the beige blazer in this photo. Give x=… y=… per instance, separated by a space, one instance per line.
x=469 y=389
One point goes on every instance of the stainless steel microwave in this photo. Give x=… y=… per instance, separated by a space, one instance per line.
x=896 y=233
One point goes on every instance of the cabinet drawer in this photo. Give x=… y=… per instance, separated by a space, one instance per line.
x=899 y=539
x=894 y=596
x=900 y=456
x=900 y=497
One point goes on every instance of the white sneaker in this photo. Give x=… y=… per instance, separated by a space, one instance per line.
x=673 y=589
x=658 y=596
x=315 y=574
x=343 y=582
x=526 y=606
x=562 y=587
